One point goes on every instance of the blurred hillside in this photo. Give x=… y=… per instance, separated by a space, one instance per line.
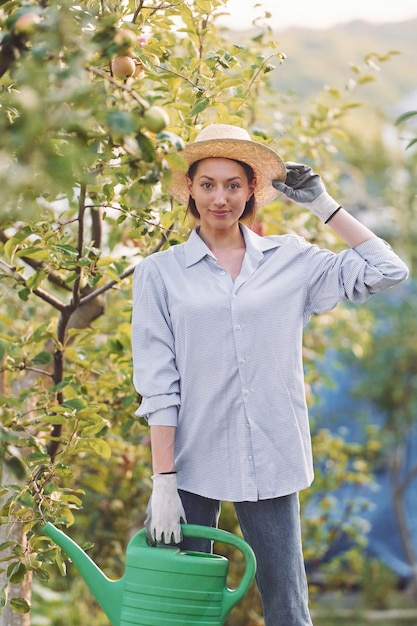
x=319 y=58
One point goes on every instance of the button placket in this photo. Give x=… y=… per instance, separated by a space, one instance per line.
x=241 y=345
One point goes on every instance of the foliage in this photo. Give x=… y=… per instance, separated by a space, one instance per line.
x=404 y=118
x=392 y=391
x=84 y=199
x=328 y=522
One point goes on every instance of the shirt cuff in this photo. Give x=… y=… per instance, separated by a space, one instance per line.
x=163 y=417
x=375 y=247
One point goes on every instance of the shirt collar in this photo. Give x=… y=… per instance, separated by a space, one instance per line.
x=196 y=249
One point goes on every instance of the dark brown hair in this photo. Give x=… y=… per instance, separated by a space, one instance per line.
x=250 y=206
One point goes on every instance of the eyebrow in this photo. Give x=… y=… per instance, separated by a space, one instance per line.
x=227 y=179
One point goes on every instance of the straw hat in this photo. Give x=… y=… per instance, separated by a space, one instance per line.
x=232 y=142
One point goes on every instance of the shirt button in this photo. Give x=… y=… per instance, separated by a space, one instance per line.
x=222 y=272
x=238 y=327
x=242 y=361
x=246 y=392
x=250 y=458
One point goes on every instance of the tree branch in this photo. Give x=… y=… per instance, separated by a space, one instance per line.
x=41 y=293
x=403 y=484
x=46 y=297
x=126 y=273
x=54 y=278
x=153 y=9
x=96 y=70
x=76 y=290
x=255 y=76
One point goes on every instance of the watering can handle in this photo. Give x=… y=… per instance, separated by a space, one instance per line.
x=232 y=596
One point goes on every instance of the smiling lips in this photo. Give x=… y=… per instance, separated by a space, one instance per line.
x=220 y=213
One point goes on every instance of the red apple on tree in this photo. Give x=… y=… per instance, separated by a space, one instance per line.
x=26 y=24
x=125 y=40
x=123 y=67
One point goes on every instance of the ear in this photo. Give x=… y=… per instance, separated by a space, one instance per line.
x=189 y=184
x=252 y=187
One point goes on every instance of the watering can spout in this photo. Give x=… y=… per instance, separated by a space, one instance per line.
x=107 y=592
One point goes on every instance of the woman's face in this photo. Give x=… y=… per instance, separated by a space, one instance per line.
x=220 y=189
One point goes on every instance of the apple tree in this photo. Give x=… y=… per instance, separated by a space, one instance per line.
x=96 y=101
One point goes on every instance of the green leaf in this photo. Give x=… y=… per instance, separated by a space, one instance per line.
x=63 y=470
x=99 y=446
x=175 y=140
x=92 y=429
x=26 y=499
x=72 y=499
x=176 y=161
x=42 y=358
x=37 y=458
x=200 y=106
x=411 y=143
x=67 y=517
x=16 y=466
x=61 y=564
x=54 y=419
x=7 y=544
x=74 y=404
x=13 y=243
x=16 y=572
x=121 y=122
x=41 y=574
x=147 y=148
x=24 y=294
x=42 y=332
x=64 y=383
x=404 y=117
x=20 y=605
x=66 y=250
x=3 y=349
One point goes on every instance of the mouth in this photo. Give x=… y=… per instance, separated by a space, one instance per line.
x=220 y=213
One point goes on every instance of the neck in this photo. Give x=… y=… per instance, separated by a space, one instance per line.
x=222 y=239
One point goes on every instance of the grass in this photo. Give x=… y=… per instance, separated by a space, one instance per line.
x=358 y=621
x=343 y=609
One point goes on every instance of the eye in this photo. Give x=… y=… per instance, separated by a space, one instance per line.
x=234 y=186
x=206 y=185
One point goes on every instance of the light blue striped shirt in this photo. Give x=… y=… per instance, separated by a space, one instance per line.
x=222 y=360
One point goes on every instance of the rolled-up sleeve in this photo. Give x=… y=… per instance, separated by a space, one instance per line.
x=354 y=274
x=384 y=268
x=155 y=375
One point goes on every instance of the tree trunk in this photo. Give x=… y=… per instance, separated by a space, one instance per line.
x=398 y=487
x=14 y=532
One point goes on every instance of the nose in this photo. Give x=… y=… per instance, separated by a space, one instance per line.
x=219 y=197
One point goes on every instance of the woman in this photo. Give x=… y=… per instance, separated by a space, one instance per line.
x=217 y=349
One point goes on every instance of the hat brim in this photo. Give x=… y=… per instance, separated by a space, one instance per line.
x=266 y=164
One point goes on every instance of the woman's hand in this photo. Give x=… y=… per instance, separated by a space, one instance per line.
x=165 y=512
x=306 y=188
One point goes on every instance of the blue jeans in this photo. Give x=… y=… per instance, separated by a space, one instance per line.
x=272 y=529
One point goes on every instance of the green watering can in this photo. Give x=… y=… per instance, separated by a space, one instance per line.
x=163 y=585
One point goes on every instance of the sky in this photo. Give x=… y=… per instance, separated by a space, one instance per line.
x=316 y=13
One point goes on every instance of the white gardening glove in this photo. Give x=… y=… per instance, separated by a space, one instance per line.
x=306 y=188
x=164 y=511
